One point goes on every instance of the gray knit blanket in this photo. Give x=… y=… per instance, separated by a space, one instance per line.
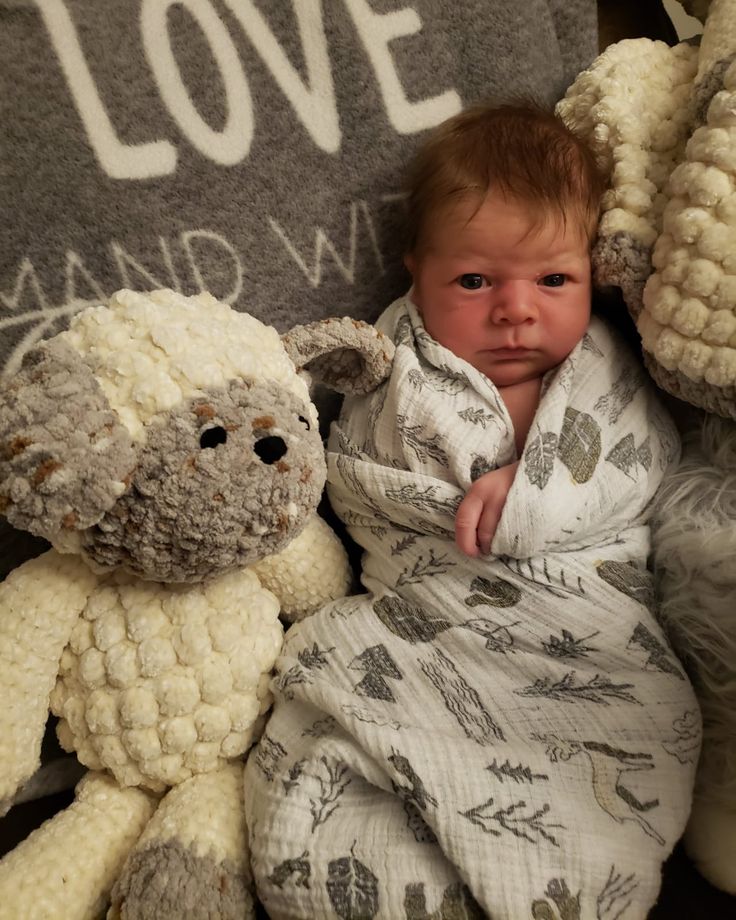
x=506 y=736
x=250 y=149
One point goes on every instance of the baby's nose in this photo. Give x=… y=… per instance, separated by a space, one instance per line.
x=514 y=302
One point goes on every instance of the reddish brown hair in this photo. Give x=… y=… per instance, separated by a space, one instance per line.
x=521 y=150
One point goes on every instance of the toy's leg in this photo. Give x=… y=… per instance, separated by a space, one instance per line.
x=66 y=869
x=192 y=859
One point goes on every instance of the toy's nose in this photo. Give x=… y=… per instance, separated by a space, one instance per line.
x=270 y=449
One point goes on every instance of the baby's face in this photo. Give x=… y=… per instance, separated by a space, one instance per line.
x=509 y=297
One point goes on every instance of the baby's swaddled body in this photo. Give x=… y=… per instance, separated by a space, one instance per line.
x=482 y=736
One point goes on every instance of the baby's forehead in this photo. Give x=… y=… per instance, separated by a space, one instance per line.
x=473 y=217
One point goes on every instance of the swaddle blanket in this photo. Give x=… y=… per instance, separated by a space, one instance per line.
x=506 y=736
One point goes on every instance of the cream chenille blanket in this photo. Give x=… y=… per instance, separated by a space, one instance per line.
x=506 y=736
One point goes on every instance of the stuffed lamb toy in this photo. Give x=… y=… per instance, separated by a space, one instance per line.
x=663 y=121
x=168 y=449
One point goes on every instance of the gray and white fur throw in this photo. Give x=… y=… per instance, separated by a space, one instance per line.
x=664 y=119
x=492 y=736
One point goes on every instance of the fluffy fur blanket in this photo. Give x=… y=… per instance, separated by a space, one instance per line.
x=491 y=732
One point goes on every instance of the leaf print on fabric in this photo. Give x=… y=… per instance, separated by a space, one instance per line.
x=407 y=621
x=332 y=780
x=415 y=792
x=405 y=543
x=479 y=467
x=625 y=388
x=457 y=904
x=314 y=657
x=423 y=499
x=403 y=332
x=607 y=767
x=659 y=656
x=630 y=580
x=567 y=646
x=579 y=446
x=669 y=440
x=461 y=699
x=558 y=584
x=309 y=659
x=425 y=568
x=268 y=756
x=346 y=467
x=417 y=379
x=293 y=776
x=352 y=888
x=589 y=344
x=618 y=888
x=687 y=737
x=443 y=379
x=496 y=593
x=567 y=906
x=321 y=728
x=514 y=818
x=364 y=715
x=299 y=868
x=627 y=457
x=519 y=774
x=421 y=831
x=379 y=665
x=425 y=447
x=597 y=690
x=498 y=637
x=479 y=417
x=539 y=458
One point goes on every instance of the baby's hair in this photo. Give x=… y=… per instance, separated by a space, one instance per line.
x=519 y=149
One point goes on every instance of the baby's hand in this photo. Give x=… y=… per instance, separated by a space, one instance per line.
x=480 y=511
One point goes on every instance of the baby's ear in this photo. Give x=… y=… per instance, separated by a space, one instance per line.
x=348 y=355
x=65 y=457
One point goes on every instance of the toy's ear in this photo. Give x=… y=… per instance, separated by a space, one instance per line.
x=348 y=355
x=65 y=458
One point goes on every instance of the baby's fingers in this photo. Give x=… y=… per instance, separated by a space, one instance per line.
x=466 y=524
x=487 y=525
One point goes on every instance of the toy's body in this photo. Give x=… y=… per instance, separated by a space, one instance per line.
x=175 y=465
x=664 y=119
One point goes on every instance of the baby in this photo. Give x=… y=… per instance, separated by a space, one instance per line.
x=498 y=727
x=503 y=209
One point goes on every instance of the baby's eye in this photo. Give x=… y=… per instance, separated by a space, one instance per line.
x=554 y=280
x=470 y=282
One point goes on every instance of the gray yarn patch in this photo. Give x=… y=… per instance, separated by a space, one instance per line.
x=167 y=881
x=709 y=85
x=346 y=354
x=222 y=481
x=63 y=451
x=718 y=400
x=622 y=261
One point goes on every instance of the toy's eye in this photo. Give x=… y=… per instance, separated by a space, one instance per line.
x=270 y=449
x=305 y=422
x=211 y=437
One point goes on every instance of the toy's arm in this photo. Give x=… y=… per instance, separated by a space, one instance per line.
x=312 y=570
x=67 y=867
x=39 y=603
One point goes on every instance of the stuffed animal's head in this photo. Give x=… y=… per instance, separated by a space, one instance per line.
x=169 y=435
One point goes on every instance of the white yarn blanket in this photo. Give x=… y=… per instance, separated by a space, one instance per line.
x=509 y=735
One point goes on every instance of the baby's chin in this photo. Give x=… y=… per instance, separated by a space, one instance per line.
x=511 y=373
